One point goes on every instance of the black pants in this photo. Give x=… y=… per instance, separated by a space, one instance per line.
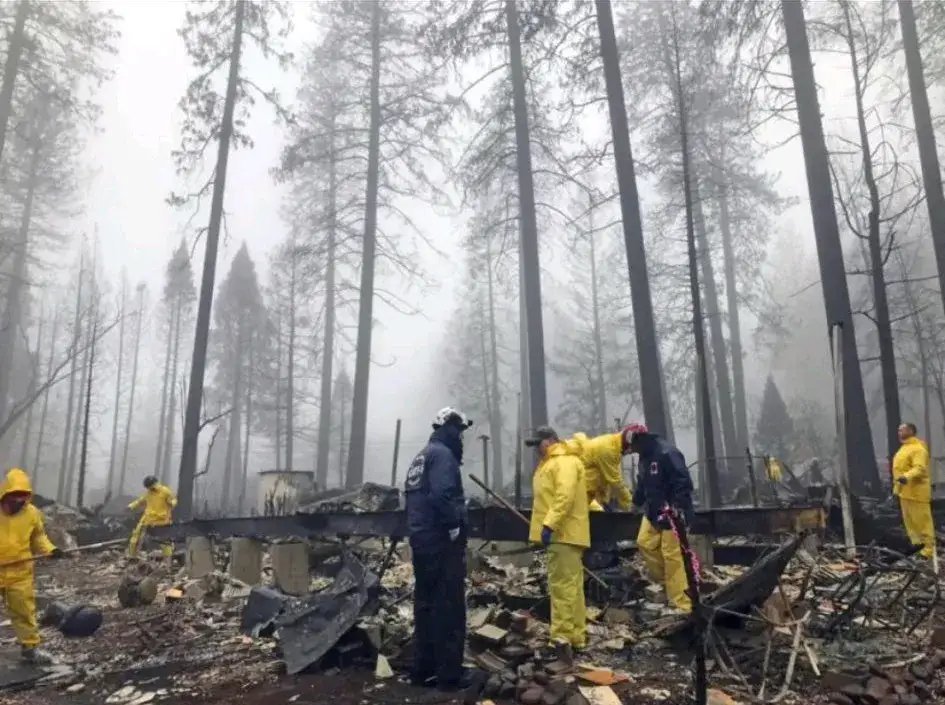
x=439 y=611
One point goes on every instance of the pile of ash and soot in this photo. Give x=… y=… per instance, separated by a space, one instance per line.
x=331 y=620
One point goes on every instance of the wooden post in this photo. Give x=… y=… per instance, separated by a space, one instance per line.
x=393 y=469
x=751 y=477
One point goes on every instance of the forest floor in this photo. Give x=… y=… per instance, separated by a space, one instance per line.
x=192 y=651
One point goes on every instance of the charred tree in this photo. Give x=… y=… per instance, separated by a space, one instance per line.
x=925 y=136
x=43 y=415
x=70 y=402
x=11 y=67
x=131 y=393
x=83 y=461
x=655 y=408
x=188 y=461
x=110 y=481
x=864 y=475
x=531 y=271
x=362 y=368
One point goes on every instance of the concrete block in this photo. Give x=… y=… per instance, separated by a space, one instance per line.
x=702 y=545
x=290 y=567
x=246 y=560
x=199 y=557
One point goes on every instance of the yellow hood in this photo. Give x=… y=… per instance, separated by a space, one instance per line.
x=16 y=481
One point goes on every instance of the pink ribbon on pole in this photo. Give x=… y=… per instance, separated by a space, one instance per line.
x=667 y=513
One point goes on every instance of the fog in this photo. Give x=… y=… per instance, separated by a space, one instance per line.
x=444 y=333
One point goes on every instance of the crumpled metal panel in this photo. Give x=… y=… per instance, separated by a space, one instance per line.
x=308 y=632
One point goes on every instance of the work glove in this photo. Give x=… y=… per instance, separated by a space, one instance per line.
x=902 y=480
x=57 y=553
x=546 y=534
x=454 y=534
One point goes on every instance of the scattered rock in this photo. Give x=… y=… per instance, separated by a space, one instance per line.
x=532 y=696
x=75 y=688
x=382 y=669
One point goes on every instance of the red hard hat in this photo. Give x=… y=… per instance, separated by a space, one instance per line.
x=631 y=430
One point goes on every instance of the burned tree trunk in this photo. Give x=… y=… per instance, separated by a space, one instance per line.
x=708 y=433
x=864 y=477
x=73 y=370
x=121 y=359
x=162 y=418
x=83 y=462
x=734 y=320
x=925 y=136
x=887 y=355
x=714 y=319
x=37 y=458
x=362 y=365
x=249 y=421
x=34 y=374
x=188 y=460
x=600 y=414
x=531 y=271
x=495 y=419
x=290 y=382
x=172 y=401
x=328 y=345
x=232 y=462
x=11 y=67
x=655 y=408
x=278 y=393
x=131 y=394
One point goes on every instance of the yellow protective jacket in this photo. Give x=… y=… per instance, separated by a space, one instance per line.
x=22 y=535
x=560 y=498
x=602 y=458
x=912 y=462
x=158 y=503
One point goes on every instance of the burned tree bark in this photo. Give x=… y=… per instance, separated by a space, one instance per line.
x=11 y=67
x=708 y=433
x=925 y=136
x=172 y=401
x=34 y=373
x=83 y=461
x=118 y=379
x=362 y=365
x=131 y=394
x=887 y=355
x=601 y=391
x=655 y=408
x=495 y=418
x=864 y=477
x=188 y=461
x=734 y=320
x=713 y=316
x=328 y=345
x=76 y=337
x=162 y=418
x=290 y=382
x=45 y=410
x=531 y=270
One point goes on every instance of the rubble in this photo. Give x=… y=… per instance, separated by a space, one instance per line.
x=803 y=624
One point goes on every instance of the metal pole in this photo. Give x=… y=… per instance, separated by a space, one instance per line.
x=751 y=477
x=485 y=457
x=393 y=469
x=843 y=478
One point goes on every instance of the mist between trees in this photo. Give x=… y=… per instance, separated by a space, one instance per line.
x=577 y=213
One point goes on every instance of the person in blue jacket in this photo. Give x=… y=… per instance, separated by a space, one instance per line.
x=663 y=482
x=436 y=525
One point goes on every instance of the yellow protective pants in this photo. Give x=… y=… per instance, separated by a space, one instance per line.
x=663 y=558
x=19 y=600
x=135 y=542
x=566 y=587
x=917 y=517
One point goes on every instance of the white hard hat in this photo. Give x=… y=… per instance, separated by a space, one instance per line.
x=448 y=412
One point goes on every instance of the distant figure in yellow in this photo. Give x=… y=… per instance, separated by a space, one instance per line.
x=22 y=536
x=158 y=502
x=603 y=464
x=911 y=483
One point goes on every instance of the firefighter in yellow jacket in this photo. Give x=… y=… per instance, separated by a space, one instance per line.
x=911 y=483
x=602 y=457
x=158 y=502
x=560 y=522
x=22 y=537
